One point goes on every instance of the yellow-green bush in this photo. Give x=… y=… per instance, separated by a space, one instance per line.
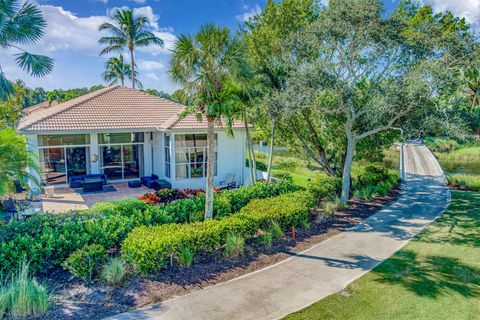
x=148 y=248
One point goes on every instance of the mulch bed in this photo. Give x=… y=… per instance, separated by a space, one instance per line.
x=75 y=300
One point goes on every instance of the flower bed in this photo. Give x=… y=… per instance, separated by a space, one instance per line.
x=149 y=247
x=163 y=196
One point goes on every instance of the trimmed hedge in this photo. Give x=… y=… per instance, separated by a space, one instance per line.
x=149 y=247
x=47 y=240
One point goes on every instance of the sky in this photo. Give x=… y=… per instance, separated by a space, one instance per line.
x=72 y=34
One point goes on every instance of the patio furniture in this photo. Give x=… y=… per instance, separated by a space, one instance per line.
x=149 y=181
x=91 y=185
x=77 y=181
x=162 y=184
x=134 y=184
x=29 y=213
x=10 y=207
x=50 y=191
x=228 y=183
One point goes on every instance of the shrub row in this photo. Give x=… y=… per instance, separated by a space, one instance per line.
x=47 y=240
x=149 y=247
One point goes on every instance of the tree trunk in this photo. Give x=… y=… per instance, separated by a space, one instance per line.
x=132 y=61
x=251 y=152
x=270 y=156
x=209 y=190
x=347 y=169
x=123 y=81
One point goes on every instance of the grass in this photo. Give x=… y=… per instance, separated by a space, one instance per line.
x=234 y=246
x=114 y=271
x=461 y=161
x=464 y=181
x=23 y=296
x=435 y=276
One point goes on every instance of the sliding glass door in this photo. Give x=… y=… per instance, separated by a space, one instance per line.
x=53 y=165
x=122 y=161
x=111 y=162
x=58 y=164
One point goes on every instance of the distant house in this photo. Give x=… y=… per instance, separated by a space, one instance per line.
x=127 y=134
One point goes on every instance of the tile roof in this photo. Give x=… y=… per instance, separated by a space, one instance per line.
x=111 y=108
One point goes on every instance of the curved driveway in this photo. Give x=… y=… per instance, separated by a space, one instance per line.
x=327 y=267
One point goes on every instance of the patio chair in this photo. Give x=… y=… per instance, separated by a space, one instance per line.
x=10 y=207
x=228 y=183
x=50 y=191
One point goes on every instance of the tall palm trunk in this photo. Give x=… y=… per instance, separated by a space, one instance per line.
x=209 y=190
x=252 y=165
x=270 y=157
x=123 y=80
x=132 y=62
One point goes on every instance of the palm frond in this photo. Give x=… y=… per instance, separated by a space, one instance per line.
x=110 y=49
x=146 y=38
x=36 y=65
x=24 y=26
x=6 y=88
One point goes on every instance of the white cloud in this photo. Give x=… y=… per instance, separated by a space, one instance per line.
x=149 y=65
x=249 y=13
x=469 y=9
x=147 y=11
x=66 y=31
x=151 y=76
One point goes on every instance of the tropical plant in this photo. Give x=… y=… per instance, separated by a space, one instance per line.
x=117 y=70
x=129 y=33
x=11 y=109
x=202 y=65
x=22 y=24
x=17 y=164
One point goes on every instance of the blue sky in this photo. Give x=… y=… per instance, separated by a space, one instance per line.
x=71 y=36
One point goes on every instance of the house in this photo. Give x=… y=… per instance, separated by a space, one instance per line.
x=126 y=134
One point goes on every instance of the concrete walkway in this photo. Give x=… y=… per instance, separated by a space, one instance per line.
x=326 y=268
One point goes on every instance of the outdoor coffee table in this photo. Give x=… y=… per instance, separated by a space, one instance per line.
x=92 y=185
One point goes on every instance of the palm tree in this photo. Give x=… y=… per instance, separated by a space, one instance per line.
x=471 y=78
x=129 y=34
x=117 y=70
x=16 y=162
x=21 y=24
x=201 y=64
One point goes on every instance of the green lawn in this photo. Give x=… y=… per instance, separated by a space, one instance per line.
x=436 y=276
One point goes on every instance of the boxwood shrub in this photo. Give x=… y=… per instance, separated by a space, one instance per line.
x=149 y=247
x=47 y=240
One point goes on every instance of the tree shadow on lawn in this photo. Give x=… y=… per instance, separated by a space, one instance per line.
x=460 y=225
x=430 y=276
x=434 y=275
